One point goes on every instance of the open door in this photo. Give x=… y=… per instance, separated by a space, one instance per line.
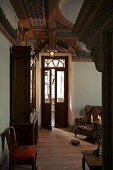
x=61 y=102
x=46 y=99
x=54 y=93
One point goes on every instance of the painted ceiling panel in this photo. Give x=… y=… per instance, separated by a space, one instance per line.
x=36 y=12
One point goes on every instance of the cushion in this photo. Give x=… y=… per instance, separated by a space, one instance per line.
x=22 y=152
x=85 y=127
x=75 y=142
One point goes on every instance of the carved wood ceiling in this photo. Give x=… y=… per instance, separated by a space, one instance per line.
x=36 y=12
x=42 y=19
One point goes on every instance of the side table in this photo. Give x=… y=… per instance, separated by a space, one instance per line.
x=93 y=162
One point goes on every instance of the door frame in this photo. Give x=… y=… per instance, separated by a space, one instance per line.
x=61 y=109
x=70 y=87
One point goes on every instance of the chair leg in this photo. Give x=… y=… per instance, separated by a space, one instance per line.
x=14 y=164
x=10 y=164
x=75 y=133
x=33 y=166
x=34 y=162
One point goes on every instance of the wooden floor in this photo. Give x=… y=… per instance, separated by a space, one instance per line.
x=56 y=153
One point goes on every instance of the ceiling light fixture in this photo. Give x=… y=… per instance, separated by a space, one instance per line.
x=51 y=53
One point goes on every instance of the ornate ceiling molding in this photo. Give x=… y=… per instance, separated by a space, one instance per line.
x=98 y=21
x=59 y=25
x=42 y=20
x=93 y=14
x=7 y=35
x=20 y=11
x=87 y=14
x=62 y=20
x=90 y=24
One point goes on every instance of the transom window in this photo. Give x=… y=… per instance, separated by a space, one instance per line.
x=54 y=63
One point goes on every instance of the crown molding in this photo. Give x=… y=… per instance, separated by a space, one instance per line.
x=7 y=35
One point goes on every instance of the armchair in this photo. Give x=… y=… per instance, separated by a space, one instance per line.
x=84 y=126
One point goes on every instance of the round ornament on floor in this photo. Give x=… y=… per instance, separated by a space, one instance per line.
x=75 y=142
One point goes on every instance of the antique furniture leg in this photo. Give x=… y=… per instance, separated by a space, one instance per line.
x=83 y=163
x=75 y=133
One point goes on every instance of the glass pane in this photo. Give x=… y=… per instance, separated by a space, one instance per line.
x=47 y=86
x=48 y=63
x=52 y=97
x=60 y=86
x=53 y=84
x=30 y=86
x=54 y=63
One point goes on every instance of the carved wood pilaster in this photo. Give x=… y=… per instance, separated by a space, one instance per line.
x=89 y=26
x=96 y=48
x=52 y=33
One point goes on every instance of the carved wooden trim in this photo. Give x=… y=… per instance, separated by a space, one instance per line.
x=7 y=35
x=86 y=14
x=20 y=11
x=65 y=38
x=87 y=25
x=62 y=20
x=90 y=23
x=96 y=54
x=98 y=21
x=82 y=60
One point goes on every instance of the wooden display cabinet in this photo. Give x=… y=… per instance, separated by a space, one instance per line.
x=23 y=115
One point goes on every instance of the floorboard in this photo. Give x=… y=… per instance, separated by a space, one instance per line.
x=55 y=152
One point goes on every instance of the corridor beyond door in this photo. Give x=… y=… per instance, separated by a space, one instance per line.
x=54 y=93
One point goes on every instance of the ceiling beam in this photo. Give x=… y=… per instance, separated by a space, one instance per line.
x=49 y=30
x=51 y=14
x=66 y=38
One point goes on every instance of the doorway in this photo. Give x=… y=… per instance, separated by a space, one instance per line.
x=54 y=92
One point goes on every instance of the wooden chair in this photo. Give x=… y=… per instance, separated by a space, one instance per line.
x=19 y=154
